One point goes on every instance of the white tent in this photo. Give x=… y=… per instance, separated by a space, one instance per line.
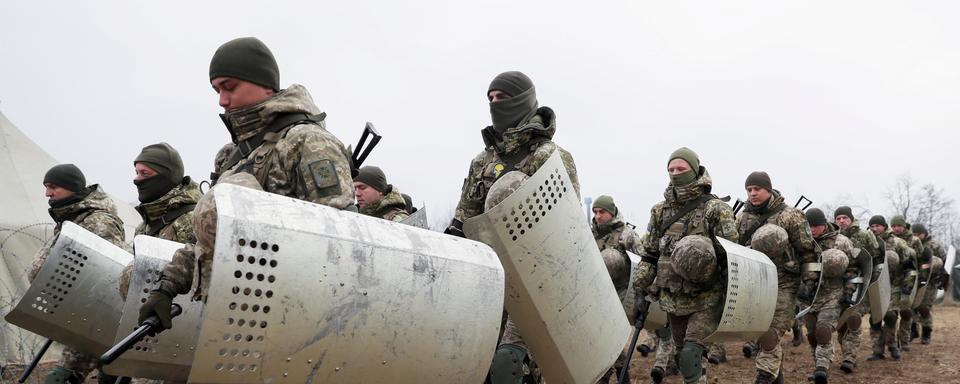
x=24 y=227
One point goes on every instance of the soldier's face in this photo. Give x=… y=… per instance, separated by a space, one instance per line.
x=365 y=194
x=602 y=216
x=236 y=93
x=843 y=221
x=878 y=229
x=897 y=228
x=922 y=236
x=497 y=95
x=757 y=195
x=55 y=192
x=143 y=172
x=817 y=230
x=677 y=166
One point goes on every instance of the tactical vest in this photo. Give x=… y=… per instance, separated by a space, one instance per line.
x=263 y=145
x=499 y=164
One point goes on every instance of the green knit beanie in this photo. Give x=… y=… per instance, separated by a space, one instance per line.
x=843 y=211
x=898 y=220
x=164 y=159
x=816 y=217
x=374 y=177
x=606 y=203
x=66 y=176
x=878 y=219
x=246 y=58
x=688 y=155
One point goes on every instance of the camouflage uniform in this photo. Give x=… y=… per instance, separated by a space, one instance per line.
x=301 y=160
x=900 y=279
x=176 y=205
x=801 y=249
x=825 y=311
x=390 y=207
x=96 y=213
x=850 y=336
x=932 y=249
x=618 y=237
x=693 y=307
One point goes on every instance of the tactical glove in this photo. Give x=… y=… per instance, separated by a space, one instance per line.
x=158 y=304
x=455 y=229
x=806 y=293
x=906 y=290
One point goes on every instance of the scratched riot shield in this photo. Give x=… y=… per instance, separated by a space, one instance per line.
x=301 y=292
x=418 y=219
x=751 y=295
x=558 y=293
x=169 y=354
x=74 y=298
x=656 y=317
x=878 y=293
x=861 y=282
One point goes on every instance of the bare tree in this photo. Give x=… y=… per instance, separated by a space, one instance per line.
x=859 y=205
x=925 y=204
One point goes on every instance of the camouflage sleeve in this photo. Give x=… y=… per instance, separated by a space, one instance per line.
x=795 y=223
x=221 y=158
x=571 y=169
x=628 y=240
x=177 y=276
x=183 y=229
x=649 y=252
x=917 y=246
x=870 y=243
x=322 y=164
x=937 y=249
x=107 y=226
x=124 y=284
x=39 y=258
x=471 y=203
x=722 y=222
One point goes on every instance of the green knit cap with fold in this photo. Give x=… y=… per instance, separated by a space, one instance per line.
x=692 y=159
x=606 y=203
x=246 y=58
x=898 y=220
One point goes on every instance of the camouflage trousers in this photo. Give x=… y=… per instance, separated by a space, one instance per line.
x=824 y=315
x=694 y=328
x=81 y=363
x=666 y=349
x=850 y=338
x=783 y=317
x=716 y=350
x=925 y=321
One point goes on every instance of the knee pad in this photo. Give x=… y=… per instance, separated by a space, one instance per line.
x=664 y=333
x=853 y=322
x=508 y=365
x=890 y=318
x=906 y=315
x=61 y=375
x=690 y=362
x=823 y=334
x=769 y=340
x=924 y=312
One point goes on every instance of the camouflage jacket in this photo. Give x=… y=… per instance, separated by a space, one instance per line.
x=95 y=212
x=906 y=255
x=302 y=160
x=712 y=218
x=866 y=241
x=931 y=249
x=391 y=207
x=615 y=234
x=913 y=241
x=530 y=142
x=793 y=221
x=178 y=228
x=833 y=239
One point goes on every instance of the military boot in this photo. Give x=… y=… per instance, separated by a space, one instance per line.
x=657 y=374
x=848 y=366
x=764 y=377
x=895 y=353
x=61 y=375
x=875 y=357
x=927 y=333
x=820 y=375
x=914 y=333
x=644 y=350
x=797 y=334
x=750 y=349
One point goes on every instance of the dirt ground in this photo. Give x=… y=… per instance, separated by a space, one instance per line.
x=938 y=362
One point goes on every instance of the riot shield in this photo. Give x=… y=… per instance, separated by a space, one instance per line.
x=169 y=354
x=878 y=293
x=865 y=263
x=656 y=317
x=301 y=292
x=751 y=295
x=418 y=219
x=916 y=287
x=922 y=286
x=558 y=290
x=74 y=298
x=810 y=267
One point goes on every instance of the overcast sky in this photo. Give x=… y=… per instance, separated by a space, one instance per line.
x=830 y=98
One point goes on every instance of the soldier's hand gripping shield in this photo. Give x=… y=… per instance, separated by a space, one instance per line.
x=865 y=264
x=932 y=268
x=558 y=291
x=166 y=355
x=301 y=292
x=656 y=317
x=74 y=299
x=751 y=295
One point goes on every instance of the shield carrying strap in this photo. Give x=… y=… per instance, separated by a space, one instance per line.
x=687 y=208
x=746 y=235
x=154 y=226
x=244 y=148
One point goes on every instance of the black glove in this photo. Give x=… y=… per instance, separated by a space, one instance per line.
x=455 y=229
x=906 y=290
x=807 y=292
x=158 y=304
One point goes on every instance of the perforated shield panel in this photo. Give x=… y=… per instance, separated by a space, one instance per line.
x=306 y=293
x=169 y=354
x=559 y=293
x=74 y=298
x=656 y=317
x=751 y=295
x=878 y=294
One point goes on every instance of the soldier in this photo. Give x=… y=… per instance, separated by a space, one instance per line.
x=680 y=250
x=89 y=207
x=520 y=139
x=902 y=230
x=167 y=199
x=901 y=261
x=849 y=332
x=614 y=238
x=377 y=198
x=838 y=261
x=768 y=225
x=282 y=146
x=933 y=254
x=408 y=202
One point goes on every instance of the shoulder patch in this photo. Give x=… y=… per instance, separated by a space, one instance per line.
x=324 y=174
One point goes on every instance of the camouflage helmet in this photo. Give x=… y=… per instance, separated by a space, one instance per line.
x=770 y=239
x=893 y=263
x=694 y=258
x=936 y=264
x=834 y=263
x=503 y=187
x=616 y=263
x=205 y=213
